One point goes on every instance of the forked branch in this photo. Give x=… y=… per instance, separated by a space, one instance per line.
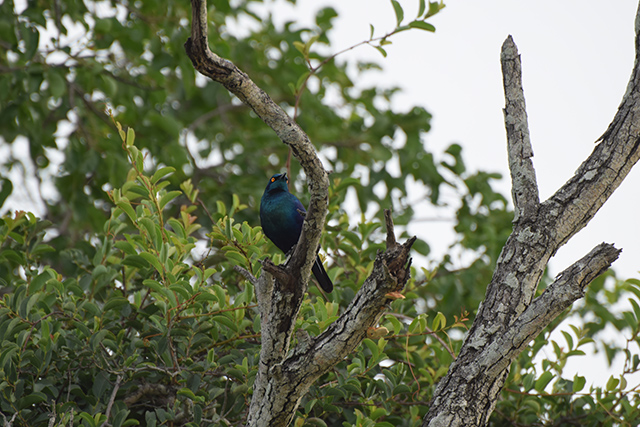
x=509 y=318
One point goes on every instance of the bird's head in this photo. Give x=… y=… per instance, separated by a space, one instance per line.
x=278 y=182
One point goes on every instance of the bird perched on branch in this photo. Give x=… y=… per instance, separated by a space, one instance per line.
x=281 y=216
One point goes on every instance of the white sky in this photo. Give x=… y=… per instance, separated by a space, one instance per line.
x=576 y=57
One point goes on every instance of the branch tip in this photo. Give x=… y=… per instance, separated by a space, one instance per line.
x=391 y=236
x=509 y=49
x=524 y=186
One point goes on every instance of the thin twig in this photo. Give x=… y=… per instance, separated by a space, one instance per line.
x=112 y=399
x=246 y=274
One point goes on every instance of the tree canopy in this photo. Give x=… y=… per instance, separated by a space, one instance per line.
x=121 y=301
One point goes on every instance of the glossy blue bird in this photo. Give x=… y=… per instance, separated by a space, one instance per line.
x=281 y=217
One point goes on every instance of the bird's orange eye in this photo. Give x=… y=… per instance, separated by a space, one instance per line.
x=287 y=181
x=273 y=180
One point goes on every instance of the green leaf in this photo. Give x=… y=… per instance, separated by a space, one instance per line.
x=381 y=50
x=125 y=247
x=177 y=227
x=568 y=338
x=31 y=37
x=612 y=383
x=88 y=418
x=542 y=382
x=184 y=293
x=83 y=329
x=161 y=173
x=373 y=348
x=221 y=208
x=39 y=281
x=131 y=136
x=151 y=228
x=398 y=11
x=636 y=310
x=115 y=303
x=434 y=7
x=185 y=391
x=421 y=25
x=578 y=383
x=397 y=325
x=57 y=84
x=314 y=422
x=125 y=205
x=300 y=47
x=226 y=322
x=27 y=304
x=235 y=256
x=414 y=326
x=422 y=8
x=33 y=398
x=153 y=260
x=421 y=247
x=377 y=413
x=168 y=197
x=206 y=296
x=100 y=384
x=153 y=284
x=439 y=322
x=135 y=261
x=7 y=188
x=301 y=81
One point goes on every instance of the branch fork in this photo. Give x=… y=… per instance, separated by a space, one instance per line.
x=510 y=317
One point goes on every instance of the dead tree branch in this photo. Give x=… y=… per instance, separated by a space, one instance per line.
x=510 y=318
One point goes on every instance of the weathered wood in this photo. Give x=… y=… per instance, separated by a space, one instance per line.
x=509 y=318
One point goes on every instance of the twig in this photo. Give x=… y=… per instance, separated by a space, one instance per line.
x=10 y=422
x=246 y=274
x=112 y=399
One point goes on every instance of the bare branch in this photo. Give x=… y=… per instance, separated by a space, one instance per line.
x=246 y=274
x=523 y=177
x=146 y=390
x=238 y=83
x=116 y=387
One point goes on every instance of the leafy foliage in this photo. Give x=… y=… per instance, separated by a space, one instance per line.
x=122 y=303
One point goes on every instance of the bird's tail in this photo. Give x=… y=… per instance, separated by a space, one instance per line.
x=321 y=276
